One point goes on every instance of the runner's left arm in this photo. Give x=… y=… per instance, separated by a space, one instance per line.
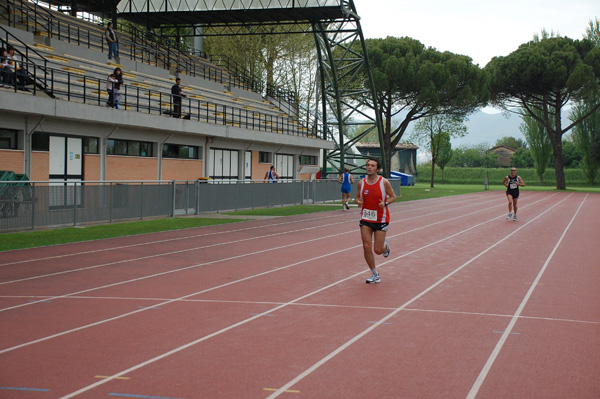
x=389 y=192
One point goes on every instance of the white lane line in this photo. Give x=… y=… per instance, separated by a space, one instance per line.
x=206 y=246
x=210 y=234
x=219 y=286
x=346 y=345
x=270 y=311
x=490 y=362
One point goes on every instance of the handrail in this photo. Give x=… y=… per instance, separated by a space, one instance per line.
x=148 y=49
x=89 y=90
x=25 y=60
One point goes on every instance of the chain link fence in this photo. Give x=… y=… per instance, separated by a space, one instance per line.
x=32 y=204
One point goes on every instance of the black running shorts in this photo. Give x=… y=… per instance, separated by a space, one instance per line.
x=374 y=226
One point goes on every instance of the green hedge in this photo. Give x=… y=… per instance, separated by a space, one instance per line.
x=573 y=177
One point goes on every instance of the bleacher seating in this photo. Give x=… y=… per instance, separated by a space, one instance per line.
x=79 y=71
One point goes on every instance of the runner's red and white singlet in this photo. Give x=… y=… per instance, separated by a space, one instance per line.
x=371 y=195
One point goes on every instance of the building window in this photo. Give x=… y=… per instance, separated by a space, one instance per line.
x=284 y=164
x=8 y=139
x=129 y=148
x=40 y=142
x=308 y=160
x=223 y=164
x=181 y=151
x=90 y=145
x=264 y=157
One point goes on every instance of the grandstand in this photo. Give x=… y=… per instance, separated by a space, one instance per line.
x=58 y=128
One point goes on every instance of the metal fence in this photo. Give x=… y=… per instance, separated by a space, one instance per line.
x=28 y=204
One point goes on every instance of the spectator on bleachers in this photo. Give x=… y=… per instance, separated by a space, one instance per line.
x=18 y=72
x=5 y=70
x=177 y=94
x=110 y=85
x=112 y=40
x=117 y=87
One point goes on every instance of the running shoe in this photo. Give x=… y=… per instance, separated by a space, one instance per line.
x=515 y=218
x=509 y=215
x=373 y=279
x=346 y=205
x=386 y=252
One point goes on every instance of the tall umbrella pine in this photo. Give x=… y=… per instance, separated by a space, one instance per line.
x=413 y=82
x=543 y=76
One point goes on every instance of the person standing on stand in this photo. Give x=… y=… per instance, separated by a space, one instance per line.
x=112 y=41
x=512 y=183
x=346 y=180
x=373 y=194
x=177 y=94
x=118 y=76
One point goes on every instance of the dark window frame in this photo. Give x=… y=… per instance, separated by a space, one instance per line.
x=121 y=147
x=11 y=137
x=178 y=151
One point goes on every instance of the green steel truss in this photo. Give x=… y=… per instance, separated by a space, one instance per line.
x=343 y=61
x=344 y=66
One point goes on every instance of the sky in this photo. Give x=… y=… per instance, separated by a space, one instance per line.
x=480 y=29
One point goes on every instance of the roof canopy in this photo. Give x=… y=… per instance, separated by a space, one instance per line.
x=209 y=12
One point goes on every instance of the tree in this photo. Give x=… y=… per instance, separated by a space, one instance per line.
x=413 y=82
x=476 y=156
x=522 y=158
x=542 y=77
x=444 y=153
x=434 y=132
x=587 y=134
x=584 y=136
x=283 y=61
x=571 y=154
x=540 y=146
x=511 y=142
x=593 y=33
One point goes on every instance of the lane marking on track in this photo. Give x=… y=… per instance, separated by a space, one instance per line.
x=353 y=340
x=269 y=311
x=24 y=389
x=240 y=280
x=205 y=247
x=274 y=389
x=106 y=376
x=490 y=362
x=327 y=305
x=211 y=234
x=216 y=261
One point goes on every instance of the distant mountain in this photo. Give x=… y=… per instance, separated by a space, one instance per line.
x=483 y=127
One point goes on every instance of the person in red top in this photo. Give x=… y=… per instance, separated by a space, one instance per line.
x=373 y=195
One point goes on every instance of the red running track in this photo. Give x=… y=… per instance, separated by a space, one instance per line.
x=470 y=306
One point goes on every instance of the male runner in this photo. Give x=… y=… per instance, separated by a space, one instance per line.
x=271 y=176
x=512 y=183
x=346 y=180
x=373 y=194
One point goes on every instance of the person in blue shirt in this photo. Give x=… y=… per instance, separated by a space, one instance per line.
x=346 y=180
x=271 y=176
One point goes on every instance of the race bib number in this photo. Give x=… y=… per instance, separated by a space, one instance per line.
x=368 y=214
x=513 y=186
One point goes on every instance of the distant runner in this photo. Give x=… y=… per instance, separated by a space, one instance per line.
x=346 y=180
x=512 y=183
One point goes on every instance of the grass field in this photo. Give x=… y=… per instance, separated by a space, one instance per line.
x=573 y=177
x=39 y=238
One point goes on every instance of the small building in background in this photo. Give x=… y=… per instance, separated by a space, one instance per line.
x=504 y=155
x=404 y=156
